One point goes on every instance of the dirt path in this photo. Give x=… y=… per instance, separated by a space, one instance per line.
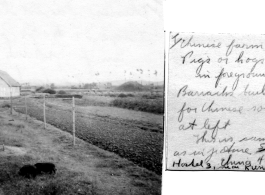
x=81 y=169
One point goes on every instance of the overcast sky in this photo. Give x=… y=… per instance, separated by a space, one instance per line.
x=63 y=41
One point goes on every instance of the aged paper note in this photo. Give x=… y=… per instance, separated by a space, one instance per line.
x=216 y=103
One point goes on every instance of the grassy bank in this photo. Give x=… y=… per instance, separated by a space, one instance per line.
x=153 y=106
x=83 y=169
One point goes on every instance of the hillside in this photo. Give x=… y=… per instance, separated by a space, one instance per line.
x=142 y=82
x=131 y=86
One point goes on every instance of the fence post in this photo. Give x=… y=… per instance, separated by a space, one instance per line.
x=74 y=119
x=26 y=108
x=44 y=114
x=11 y=103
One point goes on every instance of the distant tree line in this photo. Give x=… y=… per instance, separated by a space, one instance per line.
x=90 y=85
x=85 y=86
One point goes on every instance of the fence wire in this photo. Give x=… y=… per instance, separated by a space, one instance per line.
x=143 y=147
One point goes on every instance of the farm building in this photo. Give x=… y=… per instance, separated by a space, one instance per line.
x=8 y=86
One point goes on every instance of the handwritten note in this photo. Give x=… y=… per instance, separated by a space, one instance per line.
x=216 y=102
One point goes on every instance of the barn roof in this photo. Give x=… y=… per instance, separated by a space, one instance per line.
x=8 y=79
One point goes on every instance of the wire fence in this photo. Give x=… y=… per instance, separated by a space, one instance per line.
x=129 y=141
x=24 y=104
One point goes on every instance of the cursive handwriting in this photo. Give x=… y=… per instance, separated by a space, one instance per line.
x=232 y=45
x=218 y=84
x=212 y=109
x=185 y=109
x=215 y=126
x=188 y=164
x=185 y=92
x=188 y=43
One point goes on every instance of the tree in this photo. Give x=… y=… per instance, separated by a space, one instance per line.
x=52 y=86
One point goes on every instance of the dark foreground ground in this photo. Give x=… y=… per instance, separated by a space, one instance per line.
x=82 y=169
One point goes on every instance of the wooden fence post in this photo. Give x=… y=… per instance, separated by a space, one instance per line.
x=11 y=103
x=44 y=114
x=26 y=108
x=74 y=119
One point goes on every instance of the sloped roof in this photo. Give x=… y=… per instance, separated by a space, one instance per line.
x=8 y=79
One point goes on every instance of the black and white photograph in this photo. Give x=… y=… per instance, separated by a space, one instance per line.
x=81 y=97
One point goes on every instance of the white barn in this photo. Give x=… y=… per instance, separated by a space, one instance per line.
x=8 y=86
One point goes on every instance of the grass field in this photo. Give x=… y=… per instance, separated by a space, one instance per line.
x=140 y=140
x=146 y=101
x=83 y=169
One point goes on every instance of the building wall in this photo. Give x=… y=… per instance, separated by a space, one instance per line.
x=5 y=90
x=15 y=91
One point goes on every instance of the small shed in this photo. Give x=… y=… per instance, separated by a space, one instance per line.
x=8 y=86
